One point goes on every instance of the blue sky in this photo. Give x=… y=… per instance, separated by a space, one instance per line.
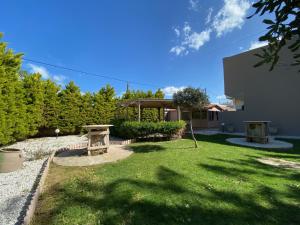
x=164 y=43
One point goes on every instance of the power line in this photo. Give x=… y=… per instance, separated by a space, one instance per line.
x=115 y=78
x=89 y=73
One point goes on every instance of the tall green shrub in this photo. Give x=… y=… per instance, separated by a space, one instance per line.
x=134 y=129
x=34 y=100
x=13 y=124
x=52 y=107
x=104 y=105
x=87 y=109
x=70 y=100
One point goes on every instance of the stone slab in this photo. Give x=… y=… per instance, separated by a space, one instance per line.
x=273 y=144
x=280 y=163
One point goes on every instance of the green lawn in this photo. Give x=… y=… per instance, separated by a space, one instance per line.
x=171 y=183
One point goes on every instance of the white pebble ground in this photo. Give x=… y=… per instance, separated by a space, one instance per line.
x=14 y=190
x=15 y=187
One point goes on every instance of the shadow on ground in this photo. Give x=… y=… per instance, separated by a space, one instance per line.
x=144 y=148
x=221 y=139
x=170 y=200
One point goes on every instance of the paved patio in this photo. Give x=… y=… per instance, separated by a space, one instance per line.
x=273 y=144
x=78 y=157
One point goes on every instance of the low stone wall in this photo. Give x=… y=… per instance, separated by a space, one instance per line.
x=30 y=206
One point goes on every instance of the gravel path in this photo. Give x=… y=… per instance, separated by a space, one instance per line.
x=16 y=187
x=38 y=147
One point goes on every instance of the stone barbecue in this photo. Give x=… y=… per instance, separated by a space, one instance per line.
x=257 y=131
x=98 y=139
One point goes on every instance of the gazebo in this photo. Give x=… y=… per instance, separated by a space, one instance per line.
x=207 y=117
x=159 y=104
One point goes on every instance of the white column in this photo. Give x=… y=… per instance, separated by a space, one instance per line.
x=139 y=109
x=178 y=113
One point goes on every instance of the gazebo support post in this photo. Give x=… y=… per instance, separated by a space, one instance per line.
x=158 y=114
x=178 y=113
x=139 y=111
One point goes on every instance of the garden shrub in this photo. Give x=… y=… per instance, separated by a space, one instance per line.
x=133 y=129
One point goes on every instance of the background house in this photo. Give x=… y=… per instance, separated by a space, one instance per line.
x=208 y=117
x=259 y=94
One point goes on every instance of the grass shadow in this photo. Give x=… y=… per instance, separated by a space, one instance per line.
x=169 y=200
x=145 y=148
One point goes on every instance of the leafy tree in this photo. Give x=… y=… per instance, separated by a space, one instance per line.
x=285 y=27
x=34 y=100
x=191 y=98
x=13 y=124
x=159 y=94
x=69 y=120
x=52 y=107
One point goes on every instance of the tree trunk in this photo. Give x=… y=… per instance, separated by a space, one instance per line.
x=192 y=131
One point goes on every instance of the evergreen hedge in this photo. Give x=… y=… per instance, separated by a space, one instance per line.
x=32 y=106
x=133 y=129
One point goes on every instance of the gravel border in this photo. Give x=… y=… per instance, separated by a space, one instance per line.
x=19 y=190
x=16 y=191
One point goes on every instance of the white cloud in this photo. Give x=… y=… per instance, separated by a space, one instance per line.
x=177 y=32
x=170 y=90
x=231 y=15
x=59 y=79
x=190 y=40
x=257 y=44
x=186 y=29
x=221 y=97
x=196 y=40
x=39 y=69
x=208 y=18
x=178 y=50
x=194 y=5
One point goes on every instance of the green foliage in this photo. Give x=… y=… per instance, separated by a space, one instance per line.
x=13 y=124
x=104 y=105
x=285 y=27
x=31 y=106
x=191 y=98
x=151 y=115
x=134 y=129
x=34 y=100
x=51 y=109
x=70 y=118
x=87 y=108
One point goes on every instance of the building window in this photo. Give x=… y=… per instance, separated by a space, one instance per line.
x=204 y=115
x=185 y=115
x=211 y=115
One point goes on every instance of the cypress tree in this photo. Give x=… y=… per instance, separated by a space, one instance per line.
x=34 y=100
x=105 y=105
x=87 y=109
x=70 y=101
x=12 y=108
x=51 y=109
